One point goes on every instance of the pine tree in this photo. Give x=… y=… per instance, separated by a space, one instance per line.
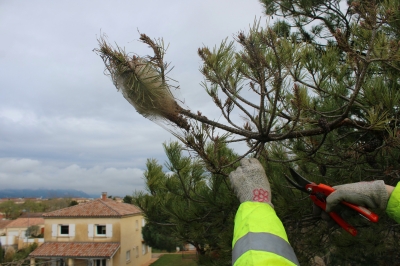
x=160 y=237
x=188 y=205
x=317 y=91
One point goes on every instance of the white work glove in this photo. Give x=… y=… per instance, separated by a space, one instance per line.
x=372 y=195
x=250 y=182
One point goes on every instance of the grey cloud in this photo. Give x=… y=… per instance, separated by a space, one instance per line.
x=32 y=173
x=62 y=122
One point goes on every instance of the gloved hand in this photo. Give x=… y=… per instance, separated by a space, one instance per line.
x=372 y=195
x=250 y=182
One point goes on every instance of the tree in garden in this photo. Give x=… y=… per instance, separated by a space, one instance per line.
x=55 y=204
x=33 y=230
x=318 y=91
x=32 y=206
x=188 y=204
x=10 y=209
x=127 y=199
x=73 y=203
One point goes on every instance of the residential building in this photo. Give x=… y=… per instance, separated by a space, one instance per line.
x=101 y=232
x=3 y=224
x=15 y=231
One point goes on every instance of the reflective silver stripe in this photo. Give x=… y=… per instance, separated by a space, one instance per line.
x=263 y=242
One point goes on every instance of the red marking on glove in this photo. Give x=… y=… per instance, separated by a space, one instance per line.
x=260 y=195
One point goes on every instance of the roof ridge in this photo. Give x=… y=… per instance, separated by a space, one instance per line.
x=69 y=207
x=96 y=208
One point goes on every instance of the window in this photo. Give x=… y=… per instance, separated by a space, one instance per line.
x=100 y=262
x=137 y=251
x=144 y=249
x=101 y=230
x=64 y=229
x=137 y=225
x=128 y=256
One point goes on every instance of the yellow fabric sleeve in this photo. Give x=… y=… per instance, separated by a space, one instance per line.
x=250 y=217
x=257 y=217
x=393 y=207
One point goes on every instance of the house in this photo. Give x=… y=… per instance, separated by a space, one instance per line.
x=15 y=231
x=100 y=232
x=3 y=237
x=118 y=199
x=3 y=224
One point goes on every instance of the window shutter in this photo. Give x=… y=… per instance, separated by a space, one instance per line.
x=54 y=229
x=90 y=230
x=72 y=230
x=108 y=230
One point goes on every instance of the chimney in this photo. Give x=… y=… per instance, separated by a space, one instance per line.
x=103 y=195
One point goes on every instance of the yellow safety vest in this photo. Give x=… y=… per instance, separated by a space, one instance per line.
x=259 y=237
x=393 y=207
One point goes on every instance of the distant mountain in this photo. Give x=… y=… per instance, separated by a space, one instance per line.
x=44 y=193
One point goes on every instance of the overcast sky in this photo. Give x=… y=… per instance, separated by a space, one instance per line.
x=62 y=122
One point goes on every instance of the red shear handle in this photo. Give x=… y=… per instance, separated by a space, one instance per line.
x=327 y=190
x=350 y=229
x=335 y=216
x=373 y=217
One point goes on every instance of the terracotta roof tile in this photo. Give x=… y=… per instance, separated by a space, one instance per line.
x=25 y=222
x=76 y=250
x=96 y=208
x=4 y=223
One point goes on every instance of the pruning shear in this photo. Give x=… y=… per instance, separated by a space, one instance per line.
x=318 y=194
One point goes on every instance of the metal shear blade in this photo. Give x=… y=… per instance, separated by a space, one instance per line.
x=300 y=183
